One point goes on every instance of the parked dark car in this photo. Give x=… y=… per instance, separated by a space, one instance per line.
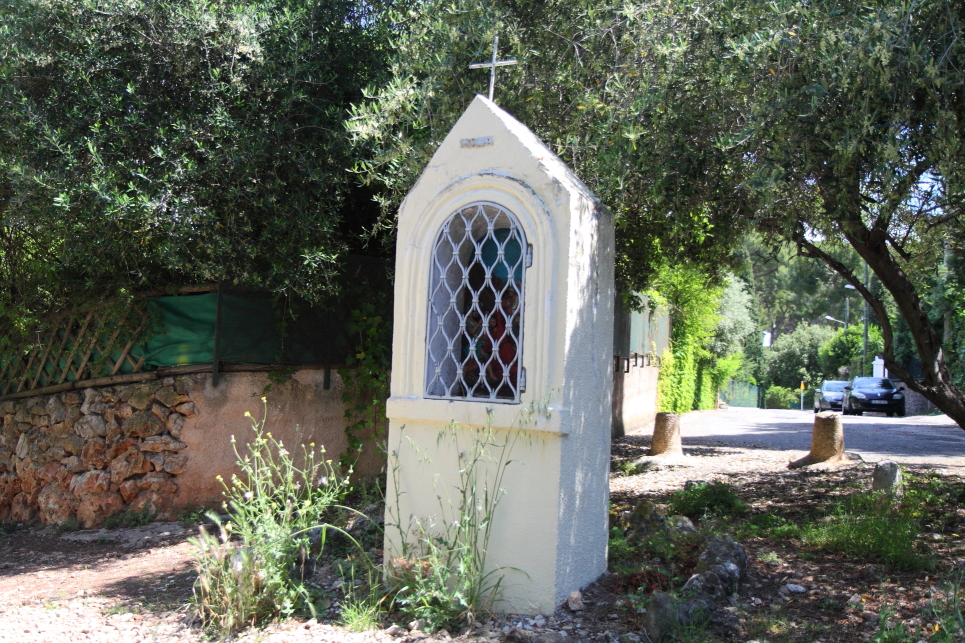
x=828 y=397
x=873 y=394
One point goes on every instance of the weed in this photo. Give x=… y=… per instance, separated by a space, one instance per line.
x=772 y=525
x=618 y=549
x=439 y=573
x=768 y=557
x=192 y=517
x=127 y=519
x=708 y=498
x=627 y=468
x=73 y=524
x=363 y=599
x=120 y=608
x=860 y=525
x=944 y=616
x=258 y=565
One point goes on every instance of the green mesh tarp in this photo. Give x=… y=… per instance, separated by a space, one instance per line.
x=188 y=336
x=256 y=328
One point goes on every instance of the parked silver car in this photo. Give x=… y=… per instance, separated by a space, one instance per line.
x=828 y=397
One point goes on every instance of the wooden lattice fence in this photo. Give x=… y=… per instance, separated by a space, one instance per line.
x=75 y=348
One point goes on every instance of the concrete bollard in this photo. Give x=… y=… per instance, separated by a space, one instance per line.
x=666 y=436
x=827 y=442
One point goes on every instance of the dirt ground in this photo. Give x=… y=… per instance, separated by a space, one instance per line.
x=133 y=585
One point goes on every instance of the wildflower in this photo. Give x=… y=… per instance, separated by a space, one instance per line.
x=264 y=399
x=247 y=414
x=248 y=495
x=323 y=481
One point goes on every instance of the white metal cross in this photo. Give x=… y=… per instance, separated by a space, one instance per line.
x=492 y=66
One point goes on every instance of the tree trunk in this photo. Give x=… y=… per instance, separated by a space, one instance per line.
x=872 y=245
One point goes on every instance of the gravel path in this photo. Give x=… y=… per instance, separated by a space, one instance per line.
x=133 y=585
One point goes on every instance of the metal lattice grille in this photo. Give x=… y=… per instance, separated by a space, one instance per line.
x=475 y=334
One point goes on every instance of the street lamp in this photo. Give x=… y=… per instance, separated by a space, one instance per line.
x=830 y=318
x=864 y=349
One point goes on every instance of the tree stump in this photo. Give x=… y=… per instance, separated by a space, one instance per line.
x=666 y=436
x=827 y=442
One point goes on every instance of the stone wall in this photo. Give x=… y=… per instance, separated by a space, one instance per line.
x=915 y=403
x=153 y=446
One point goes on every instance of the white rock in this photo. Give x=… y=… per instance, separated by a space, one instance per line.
x=575 y=601
x=796 y=589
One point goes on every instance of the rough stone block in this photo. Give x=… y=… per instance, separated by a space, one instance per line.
x=94 y=509
x=72 y=398
x=54 y=472
x=152 y=502
x=73 y=464
x=188 y=409
x=91 y=482
x=156 y=460
x=56 y=409
x=157 y=481
x=175 y=424
x=175 y=464
x=91 y=426
x=161 y=411
x=23 y=509
x=142 y=425
x=129 y=489
x=93 y=402
x=142 y=397
x=130 y=463
x=72 y=415
x=94 y=454
x=9 y=488
x=169 y=397
x=123 y=411
x=74 y=444
x=55 y=504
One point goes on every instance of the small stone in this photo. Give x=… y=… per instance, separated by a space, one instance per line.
x=855 y=599
x=188 y=409
x=157 y=443
x=575 y=601
x=935 y=538
x=419 y=624
x=395 y=630
x=795 y=589
x=887 y=478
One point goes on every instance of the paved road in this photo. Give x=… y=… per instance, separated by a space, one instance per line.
x=932 y=440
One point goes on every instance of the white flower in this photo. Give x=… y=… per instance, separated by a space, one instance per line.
x=248 y=495
x=323 y=481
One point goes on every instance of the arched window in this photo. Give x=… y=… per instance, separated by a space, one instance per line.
x=474 y=338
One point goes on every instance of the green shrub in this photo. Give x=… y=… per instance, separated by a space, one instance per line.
x=257 y=566
x=706 y=498
x=779 y=397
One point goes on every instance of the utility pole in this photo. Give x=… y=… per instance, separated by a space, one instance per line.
x=864 y=352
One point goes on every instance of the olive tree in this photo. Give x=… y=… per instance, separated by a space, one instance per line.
x=817 y=123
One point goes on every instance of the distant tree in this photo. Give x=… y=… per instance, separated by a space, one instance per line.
x=736 y=319
x=793 y=358
x=845 y=350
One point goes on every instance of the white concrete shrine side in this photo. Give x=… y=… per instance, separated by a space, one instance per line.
x=551 y=525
